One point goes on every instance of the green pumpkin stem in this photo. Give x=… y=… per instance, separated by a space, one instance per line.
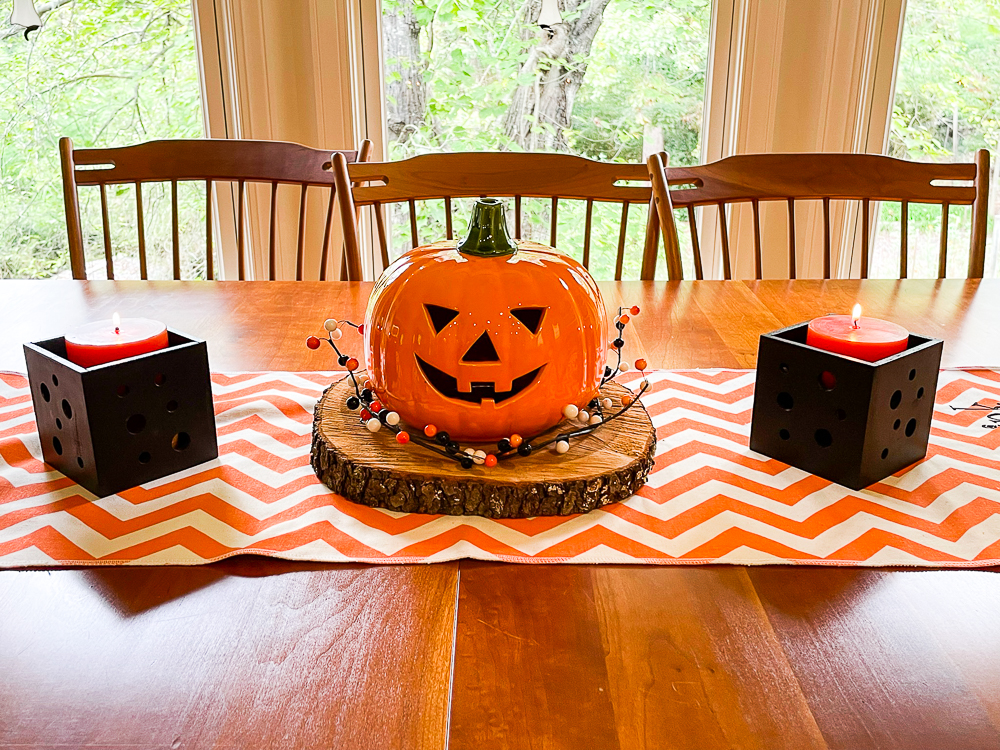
x=488 y=236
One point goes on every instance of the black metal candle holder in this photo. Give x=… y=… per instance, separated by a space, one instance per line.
x=844 y=419
x=117 y=425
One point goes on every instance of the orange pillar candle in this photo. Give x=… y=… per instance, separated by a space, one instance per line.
x=111 y=340
x=869 y=339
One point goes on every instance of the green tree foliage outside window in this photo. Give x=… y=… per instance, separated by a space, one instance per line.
x=105 y=73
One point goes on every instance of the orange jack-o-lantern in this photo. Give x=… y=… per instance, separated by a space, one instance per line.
x=485 y=338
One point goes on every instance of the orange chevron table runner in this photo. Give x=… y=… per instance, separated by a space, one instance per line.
x=709 y=498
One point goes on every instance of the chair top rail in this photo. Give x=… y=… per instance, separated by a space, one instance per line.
x=473 y=174
x=749 y=177
x=206 y=159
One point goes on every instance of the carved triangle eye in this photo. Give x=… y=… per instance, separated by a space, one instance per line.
x=531 y=317
x=440 y=316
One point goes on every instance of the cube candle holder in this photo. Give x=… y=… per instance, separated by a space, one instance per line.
x=121 y=424
x=844 y=419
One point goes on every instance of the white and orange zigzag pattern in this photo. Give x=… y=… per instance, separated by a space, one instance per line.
x=709 y=498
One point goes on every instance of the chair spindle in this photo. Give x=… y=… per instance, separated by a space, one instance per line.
x=209 y=254
x=555 y=221
x=943 y=250
x=517 y=217
x=791 y=238
x=240 y=254
x=325 y=252
x=449 y=229
x=383 y=241
x=864 y=238
x=695 y=244
x=727 y=271
x=108 y=262
x=826 y=238
x=757 y=252
x=588 y=224
x=301 y=250
x=141 y=227
x=620 y=260
x=413 y=223
x=904 y=220
x=175 y=230
x=272 y=271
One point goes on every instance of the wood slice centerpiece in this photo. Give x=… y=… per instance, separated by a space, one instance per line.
x=604 y=467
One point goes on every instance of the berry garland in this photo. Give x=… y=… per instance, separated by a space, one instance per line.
x=375 y=416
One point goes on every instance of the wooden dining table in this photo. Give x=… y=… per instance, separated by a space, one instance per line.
x=255 y=652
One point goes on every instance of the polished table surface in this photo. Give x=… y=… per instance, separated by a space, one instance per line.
x=255 y=652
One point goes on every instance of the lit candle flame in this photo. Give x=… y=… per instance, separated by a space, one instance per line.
x=117 y=320
x=855 y=316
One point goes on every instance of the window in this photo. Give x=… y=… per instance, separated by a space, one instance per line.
x=947 y=106
x=613 y=81
x=104 y=73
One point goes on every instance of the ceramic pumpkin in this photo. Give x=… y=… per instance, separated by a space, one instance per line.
x=487 y=337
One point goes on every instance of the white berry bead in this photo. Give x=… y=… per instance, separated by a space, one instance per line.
x=470 y=451
x=392 y=418
x=596 y=419
x=570 y=411
x=644 y=383
x=623 y=367
x=583 y=415
x=607 y=403
x=373 y=425
x=336 y=334
x=479 y=457
x=562 y=446
x=331 y=324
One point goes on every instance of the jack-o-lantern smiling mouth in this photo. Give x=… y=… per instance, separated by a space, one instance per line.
x=447 y=385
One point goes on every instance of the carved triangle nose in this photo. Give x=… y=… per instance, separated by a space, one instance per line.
x=482 y=351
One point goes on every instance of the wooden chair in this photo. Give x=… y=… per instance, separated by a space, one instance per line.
x=208 y=160
x=471 y=175
x=754 y=178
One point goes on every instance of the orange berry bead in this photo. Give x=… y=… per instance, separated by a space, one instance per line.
x=312 y=342
x=361 y=329
x=490 y=460
x=430 y=430
x=626 y=400
x=376 y=407
x=515 y=440
x=352 y=364
x=402 y=437
x=624 y=320
x=640 y=364
x=634 y=310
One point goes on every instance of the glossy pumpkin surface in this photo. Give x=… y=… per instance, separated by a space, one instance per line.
x=484 y=347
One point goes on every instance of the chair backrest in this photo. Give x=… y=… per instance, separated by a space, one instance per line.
x=450 y=176
x=208 y=160
x=753 y=178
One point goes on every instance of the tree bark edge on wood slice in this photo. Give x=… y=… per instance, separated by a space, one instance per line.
x=604 y=467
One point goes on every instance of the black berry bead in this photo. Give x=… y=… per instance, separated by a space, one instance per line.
x=443 y=437
x=618 y=343
x=503 y=445
x=382 y=415
x=524 y=449
x=353 y=403
x=451 y=448
x=607 y=374
x=466 y=463
x=342 y=360
x=366 y=394
x=620 y=326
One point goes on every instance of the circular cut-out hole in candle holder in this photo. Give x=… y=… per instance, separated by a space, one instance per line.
x=55 y=380
x=823 y=438
x=783 y=367
x=122 y=390
x=784 y=434
x=911 y=427
x=67 y=409
x=785 y=401
x=841 y=414
x=181 y=441
x=920 y=393
x=160 y=379
x=171 y=405
x=827 y=380
x=45 y=391
x=58 y=423
x=913 y=374
x=135 y=424
x=144 y=457
x=57 y=445
x=896 y=398
x=79 y=462
x=895 y=425
x=885 y=453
